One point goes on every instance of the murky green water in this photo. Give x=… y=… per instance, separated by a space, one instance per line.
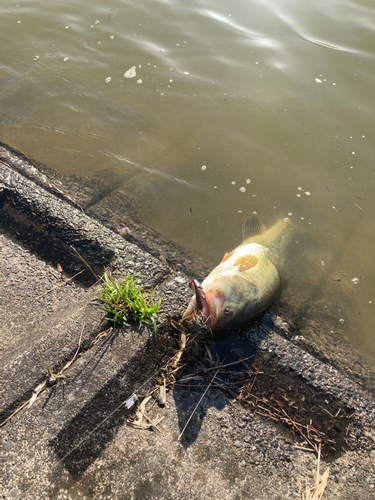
x=235 y=108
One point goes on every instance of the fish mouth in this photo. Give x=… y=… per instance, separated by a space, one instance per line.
x=199 y=305
x=207 y=304
x=215 y=301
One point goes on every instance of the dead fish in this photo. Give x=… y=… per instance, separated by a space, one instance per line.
x=246 y=281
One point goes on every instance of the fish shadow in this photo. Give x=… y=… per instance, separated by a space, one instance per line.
x=192 y=403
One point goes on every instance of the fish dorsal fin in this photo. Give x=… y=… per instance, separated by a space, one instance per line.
x=252 y=227
x=246 y=262
x=227 y=256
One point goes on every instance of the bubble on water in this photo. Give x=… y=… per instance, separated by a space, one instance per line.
x=370 y=301
x=248 y=181
x=99 y=43
x=171 y=80
x=111 y=37
x=298 y=196
x=318 y=80
x=302 y=218
x=242 y=189
x=108 y=79
x=363 y=136
x=18 y=22
x=66 y=27
x=290 y=213
x=333 y=207
x=342 y=321
x=131 y=73
x=322 y=263
x=96 y=22
x=215 y=187
x=255 y=213
x=355 y=281
x=66 y=59
x=240 y=211
x=186 y=72
x=353 y=152
x=139 y=81
x=286 y=219
x=307 y=193
x=300 y=189
x=233 y=183
x=36 y=58
x=203 y=167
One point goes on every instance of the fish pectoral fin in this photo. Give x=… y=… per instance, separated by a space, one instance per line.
x=252 y=227
x=246 y=262
x=227 y=256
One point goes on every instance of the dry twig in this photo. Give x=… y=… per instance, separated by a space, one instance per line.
x=195 y=409
x=59 y=286
x=42 y=386
x=316 y=491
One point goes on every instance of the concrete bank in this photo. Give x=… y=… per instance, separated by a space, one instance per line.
x=73 y=442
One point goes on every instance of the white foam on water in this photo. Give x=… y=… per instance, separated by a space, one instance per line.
x=131 y=73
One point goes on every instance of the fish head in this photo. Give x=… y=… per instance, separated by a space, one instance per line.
x=230 y=300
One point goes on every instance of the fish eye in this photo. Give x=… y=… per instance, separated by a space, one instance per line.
x=228 y=310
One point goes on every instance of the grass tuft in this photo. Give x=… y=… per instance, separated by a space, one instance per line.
x=127 y=302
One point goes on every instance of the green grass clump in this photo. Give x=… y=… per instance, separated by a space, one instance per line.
x=127 y=302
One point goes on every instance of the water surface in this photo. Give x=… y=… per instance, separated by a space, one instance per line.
x=236 y=108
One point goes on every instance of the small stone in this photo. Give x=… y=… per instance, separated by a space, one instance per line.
x=8 y=445
x=13 y=493
x=243 y=463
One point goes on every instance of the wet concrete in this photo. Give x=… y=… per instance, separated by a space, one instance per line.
x=74 y=442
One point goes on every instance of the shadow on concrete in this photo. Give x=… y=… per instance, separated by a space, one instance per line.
x=81 y=441
x=227 y=348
